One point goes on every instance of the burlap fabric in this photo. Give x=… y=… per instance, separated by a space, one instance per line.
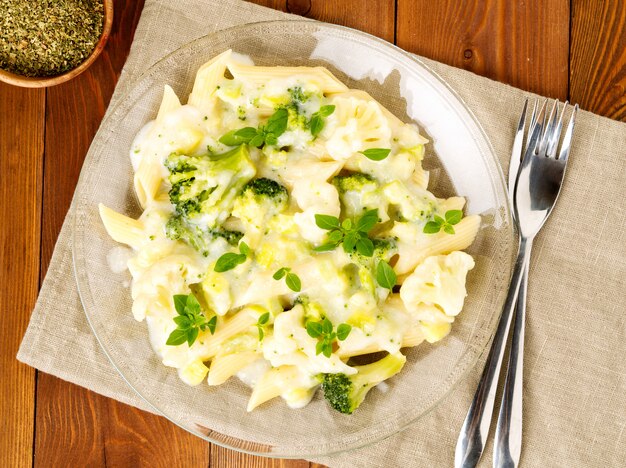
x=575 y=382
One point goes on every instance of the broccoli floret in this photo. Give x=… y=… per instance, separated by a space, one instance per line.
x=177 y=228
x=259 y=201
x=204 y=187
x=297 y=95
x=359 y=192
x=266 y=187
x=357 y=181
x=232 y=237
x=384 y=249
x=411 y=205
x=345 y=393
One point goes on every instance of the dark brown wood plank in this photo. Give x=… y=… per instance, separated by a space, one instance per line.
x=21 y=166
x=598 y=57
x=524 y=44
x=76 y=426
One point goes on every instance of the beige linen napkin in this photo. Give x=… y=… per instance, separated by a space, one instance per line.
x=575 y=379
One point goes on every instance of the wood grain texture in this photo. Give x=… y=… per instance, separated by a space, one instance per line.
x=376 y=17
x=76 y=426
x=21 y=165
x=524 y=44
x=225 y=458
x=598 y=57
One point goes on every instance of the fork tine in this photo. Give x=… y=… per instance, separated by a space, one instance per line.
x=567 y=140
x=533 y=121
x=550 y=123
x=556 y=135
x=534 y=136
x=517 y=151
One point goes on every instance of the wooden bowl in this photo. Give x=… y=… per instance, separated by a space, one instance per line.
x=36 y=82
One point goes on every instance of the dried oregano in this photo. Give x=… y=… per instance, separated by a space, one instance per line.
x=48 y=37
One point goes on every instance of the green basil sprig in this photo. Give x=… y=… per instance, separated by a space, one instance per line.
x=352 y=234
x=190 y=321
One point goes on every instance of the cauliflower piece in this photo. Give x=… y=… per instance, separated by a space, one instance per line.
x=438 y=281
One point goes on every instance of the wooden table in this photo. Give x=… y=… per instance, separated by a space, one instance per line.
x=566 y=49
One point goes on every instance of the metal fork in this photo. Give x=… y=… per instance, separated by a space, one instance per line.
x=537 y=186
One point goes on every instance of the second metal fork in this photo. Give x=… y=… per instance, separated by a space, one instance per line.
x=537 y=185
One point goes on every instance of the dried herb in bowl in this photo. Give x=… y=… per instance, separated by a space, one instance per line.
x=48 y=37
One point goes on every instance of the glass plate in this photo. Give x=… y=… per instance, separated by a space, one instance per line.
x=461 y=162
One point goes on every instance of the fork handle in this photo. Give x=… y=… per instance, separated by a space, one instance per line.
x=508 y=441
x=473 y=436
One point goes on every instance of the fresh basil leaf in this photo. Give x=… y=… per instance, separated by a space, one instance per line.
x=343 y=331
x=280 y=273
x=261 y=334
x=177 y=337
x=230 y=139
x=326 y=247
x=447 y=228
x=349 y=242
x=319 y=347
x=277 y=123
x=183 y=322
x=327 y=326
x=385 y=276
x=432 y=227
x=238 y=137
x=316 y=125
x=263 y=319
x=192 y=334
x=326 y=221
x=293 y=282
x=365 y=246
x=258 y=140
x=228 y=261
x=438 y=219
x=270 y=139
x=366 y=222
x=244 y=248
x=346 y=224
x=335 y=236
x=192 y=304
x=211 y=324
x=246 y=133
x=325 y=111
x=327 y=349
x=180 y=300
x=314 y=329
x=376 y=154
x=453 y=216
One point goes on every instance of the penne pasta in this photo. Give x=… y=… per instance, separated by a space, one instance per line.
x=413 y=336
x=206 y=81
x=169 y=103
x=273 y=383
x=239 y=323
x=261 y=75
x=147 y=181
x=410 y=255
x=420 y=177
x=223 y=367
x=452 y=203
x=121 y=228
